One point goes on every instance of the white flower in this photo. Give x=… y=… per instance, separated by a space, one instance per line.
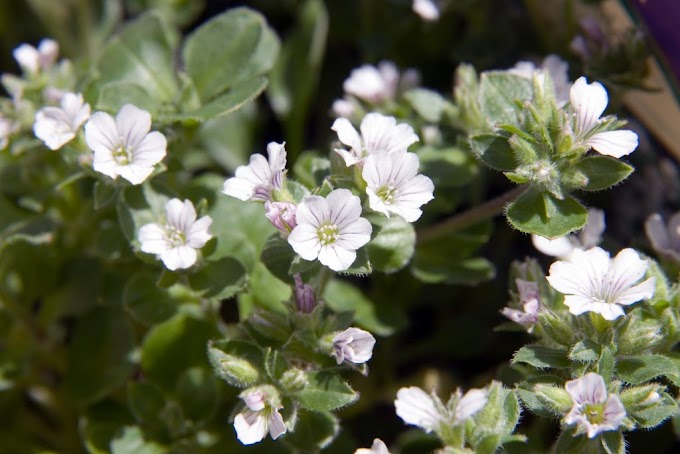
x=418 y=408
x=530 y=300
x=33 y=60
x=562 y=247
x=469 y=404
x=354 y=345
x=592 y=282
x=176 y=241
x=377 y=448
x=344 y=108
x=558 y=70
x=426 y=9
x=373 y=85
x=378 y=132
x=260 y=417
x=394 y=186
x=56 y=126
x=281 y=215
x=588 y=102
x=125 y=146
x=594 y=410
x=260 y=177
x=330 y=229
x=665 y=238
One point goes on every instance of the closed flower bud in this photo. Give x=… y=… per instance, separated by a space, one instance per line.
x=294 y=380
x=354 y=345
x=305 y=300
x=556 y=398
x=281 y=215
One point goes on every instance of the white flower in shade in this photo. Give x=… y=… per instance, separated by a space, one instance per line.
x=394 y=186
x=558 y=70
x=56 y=126
x=593 y=282
x=32 y=60
x=468 y=404
x=330 y=229
x=418 y=408
x=665 y=238
x=378 y=448
x=354 y=345
x=589 y=102
x=6 y=129
x=125 y=146
x=426 y=9
x=260 y=417
x=371 y=84
x=378 y=132
x=594 y=410
x=176 y=241
x=562 y=247
x=344 y=108
x=530 y=300
x=281 y=215
x=260 y=177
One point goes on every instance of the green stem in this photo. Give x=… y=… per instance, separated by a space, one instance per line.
x=470 y=217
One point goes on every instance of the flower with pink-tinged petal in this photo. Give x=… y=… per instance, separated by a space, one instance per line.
x=281 y=215
x=394 y=186
x=56 y=126
x=32 y=60
x=594 y=410
x=175 y=242
x=353 y=345
x=589 y=102
x=593 y=282
x=378 y=132
x=378 y=447
x=373 y=84
x=124 y=146
x=260 y=416
x=530 y=300
x=260 y=177
x=330 y=228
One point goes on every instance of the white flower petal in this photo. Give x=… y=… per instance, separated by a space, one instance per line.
x=199 y=233
x=304 y=240
x=657 y=233
x=588 y=101
x=417 y=408
x=135 y=174
x=150 y=150
x=350 y=137
x=153 y=239
x=642 y=291
x=356 y=234
x=626 y=269
x=336 y=257
x=101 y=134
x=561 y=247
x=426 y=9
x=28 y=58
x=277 y=156
x=473 y=401
x=589 y=389
x=276 y=425
x=378 y=447
x=133 y=124
x=614 y=143
x=251 y=427
x=181 y=257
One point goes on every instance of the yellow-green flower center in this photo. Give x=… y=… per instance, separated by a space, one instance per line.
x=175 y=236
x=327 y=233
x=594 y=413
x=387 y=193
x=122 y=155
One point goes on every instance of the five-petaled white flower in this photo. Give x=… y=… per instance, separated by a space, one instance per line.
x=426 y=9
x=418 y=408
x=378 y=447
x=260 y=177
x=593 y=282
x=330 y=229
x=378 y=132
x=562 y=247
x=373 y=85
x=261 y=416
x=665 y=238
x=530 y=300
x=125 y=146
x=394 y=186
x=588 y=102
x=354 y=345
x=32 y=60
x=594 y=410
x=56 y=126
x=175 y=242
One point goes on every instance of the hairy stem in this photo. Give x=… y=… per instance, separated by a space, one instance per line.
x=470 y=217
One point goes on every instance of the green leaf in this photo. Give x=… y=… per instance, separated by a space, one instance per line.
x=114 y=95
x=569 y=443
x=543 y=395
x=237 y=362
x=313 y=429
x=198 y=394
x=142 y=54
x=97 y=368
x=311 y=169
x=613 y=442
x=541 y=357
x=361 y=265
x=220 y=280
x=342 y=296
x=104 y=194
x=326 y=391
x=429 y=104
x=603 y=171
x=585 y=351
x=656 y=414
x=247 y=48
x=101 y=422
x=542 y=214
x=393 y=246
x=174 y=346
x=149 y=304
x=447 y=167
x=494 y=150
x=277 y=256
x=499 y=92
x=131 y=441
x=642 y=368
x=146 y=402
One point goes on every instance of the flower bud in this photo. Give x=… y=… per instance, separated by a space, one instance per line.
x=294 y=380
x=638 y=336
x=281 y=215
x=233 y=369
x=556 y=398
x=354 y=345
x=642 y=397
x=304 y=296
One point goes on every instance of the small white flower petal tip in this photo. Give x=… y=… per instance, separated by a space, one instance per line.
x=260 y=177
x=176 y=241
x=426 y=9
x=124 y=146
x=378 y=447
x=57 y=126
x=32 y=60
